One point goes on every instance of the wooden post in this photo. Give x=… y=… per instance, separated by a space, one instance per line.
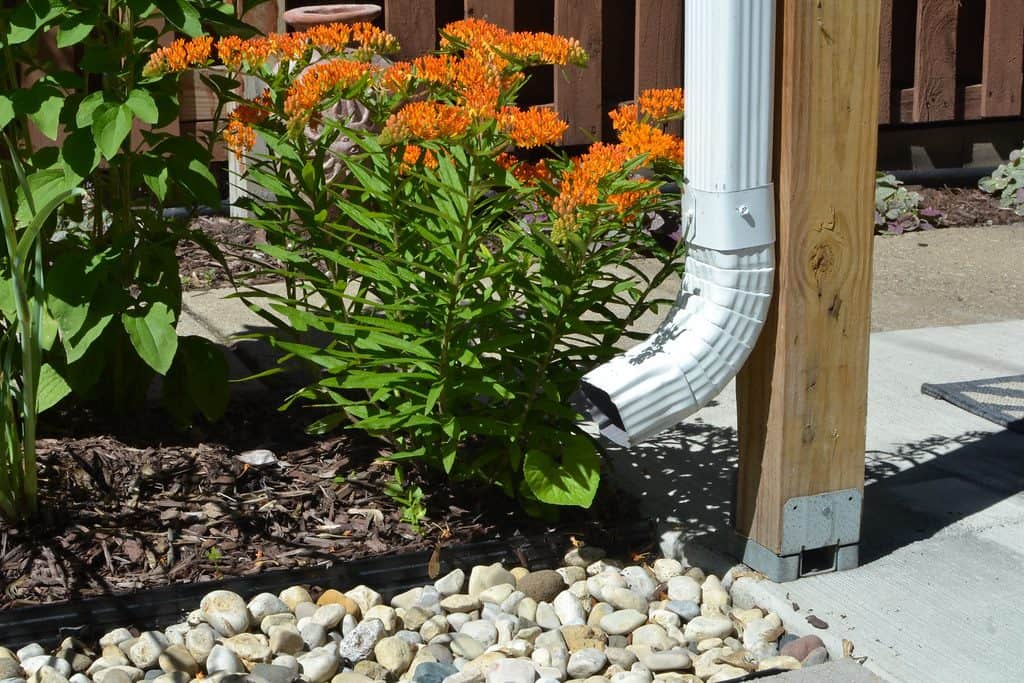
x=658 y=51
x=414 y=23
x=499 y=12
x=935 y=65
x=578 y=91
x=1001 y=68
x=802 y=396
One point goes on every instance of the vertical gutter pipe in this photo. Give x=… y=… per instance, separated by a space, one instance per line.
x=728 y=211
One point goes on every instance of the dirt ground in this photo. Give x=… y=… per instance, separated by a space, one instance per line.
x=953 y=276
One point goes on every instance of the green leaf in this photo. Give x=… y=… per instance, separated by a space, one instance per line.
x=52 y=388
x=29 y=17
x=181 y=15
x=43 y=185
x=153 y=335
x=111 y=126
x=80 y=155
x=573 y=481
x=198 y=380
x=6 y=111
x=87 y=108
x=144 y=106
x=74 y=30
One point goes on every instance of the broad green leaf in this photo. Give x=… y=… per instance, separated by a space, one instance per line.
x=143 y=105
x=29 y=17
x=198 y=380
x=111 y=126
x=181 y=15
x=74 y=30
x=6 y=111
x=87 y=108
x=52 y=388
x=153 y=335
x=80 y=155
x=44 y=185
x=573 y=481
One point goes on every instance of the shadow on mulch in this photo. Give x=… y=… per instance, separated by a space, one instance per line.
x=966 y=207
x=137 y=504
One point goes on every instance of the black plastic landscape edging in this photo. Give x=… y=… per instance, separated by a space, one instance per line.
x=387 y=574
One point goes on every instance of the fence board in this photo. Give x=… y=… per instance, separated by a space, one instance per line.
x=935 y=68
x=414 y=23
x=885 y=64
x=1001 y=59
x=658 y=52
x=578 y=91
x=499 y=12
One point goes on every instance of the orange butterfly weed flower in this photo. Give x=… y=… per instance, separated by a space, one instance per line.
x=413 y=155
x=543 y=48
x=580 y=185
x=316 y=83
x=642 y=138
x=426 y=120
x=524 y=171
x=372 y=39
x=237 y=54
x=397 y=78
x=661 y=103
x=239 y=133
x=532 y=127
x=474 y=33
x=178 y=56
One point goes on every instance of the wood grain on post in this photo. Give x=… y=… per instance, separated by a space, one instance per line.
x=499 y=12
x=1001 y=60
x=802 y=396
x=578 y=91
x=885 y=97
x=414 y=23
x=658 y=55
x=935 y=63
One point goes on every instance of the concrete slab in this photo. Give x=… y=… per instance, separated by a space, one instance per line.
x=938 y=595
x=838 y=671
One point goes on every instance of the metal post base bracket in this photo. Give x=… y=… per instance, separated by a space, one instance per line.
x=820 y=534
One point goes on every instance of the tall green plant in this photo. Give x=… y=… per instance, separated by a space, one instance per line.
x=27 y=385
x=112 y=284
x=450 y=294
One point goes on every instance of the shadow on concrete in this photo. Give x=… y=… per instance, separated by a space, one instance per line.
x=686 y=478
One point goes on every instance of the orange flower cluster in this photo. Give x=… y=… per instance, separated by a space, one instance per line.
x=239 y=134
x=178 y=56
x=531 y=127
x=525 y=48
x=427 y=120
x=413 y=155
x=643 y=138
x=319 y=80
x=524 y=171
x=662 y=103
x=253 y=53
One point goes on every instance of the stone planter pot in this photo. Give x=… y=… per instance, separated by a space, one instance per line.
x=302 y=18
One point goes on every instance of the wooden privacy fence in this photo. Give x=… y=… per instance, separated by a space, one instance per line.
x=939 y=60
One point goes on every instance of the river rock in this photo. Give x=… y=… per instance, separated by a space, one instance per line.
x=114 y=637
x=394 y=654
x=460 y=603
x=200 y=641
x=118 y=674
x=759 y=636
x=485 y=576
x=496 y=594
x=336 y=597
x=286 y=639
x=652 y=636
x=542 y=585
x=684 y=588
x=584 y=556
x=686 y=609
x=778 y=662
x=583 y=637
x=512 y=671
x=372 y=670
x=33 y=664
x=714 y=598
x=313 y=635
x=251 y=647
x=10 y=668
x=351 y=677
x=358 y=644
x=641 y=581
x=702 y=628
x=433 y=672
x=365 y=597
x=665 y=568
x=586 y=662
x=451 y=583
x=319 y=665
x=571 y=575
x=178 y=658
x=226 y=612
x=569 y=609
x=801 y=647
x=222 y=658
x=666 y=660
x=466 y=646
x=265 y=604
x=330 y=615
x=484 y=632
x=818 y=655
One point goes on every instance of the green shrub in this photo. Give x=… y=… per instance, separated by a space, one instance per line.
x=112 y=289
x=1007 y=183
x=448 y=294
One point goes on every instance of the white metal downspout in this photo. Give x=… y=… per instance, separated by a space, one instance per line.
x=728 y=208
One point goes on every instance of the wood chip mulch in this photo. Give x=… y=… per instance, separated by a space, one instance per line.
x=139 y=505
x=965 y=207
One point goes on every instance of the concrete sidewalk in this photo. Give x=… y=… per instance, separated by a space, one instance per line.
x=938 y=596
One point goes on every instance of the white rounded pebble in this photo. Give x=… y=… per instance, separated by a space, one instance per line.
x=223 y=659
x=683 y=588
x=451 y=583
x=586 y=662
x=318 y=665
x=226 y=612
x=623 y=622
x=265 y=604
x=569 y=609
x=294 y=596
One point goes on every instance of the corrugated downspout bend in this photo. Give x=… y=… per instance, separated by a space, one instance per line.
x=728 y=209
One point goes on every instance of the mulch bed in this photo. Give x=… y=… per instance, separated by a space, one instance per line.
x=966 y=208
x=138 y=505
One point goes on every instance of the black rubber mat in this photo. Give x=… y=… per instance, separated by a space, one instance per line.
x=1000 y=399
